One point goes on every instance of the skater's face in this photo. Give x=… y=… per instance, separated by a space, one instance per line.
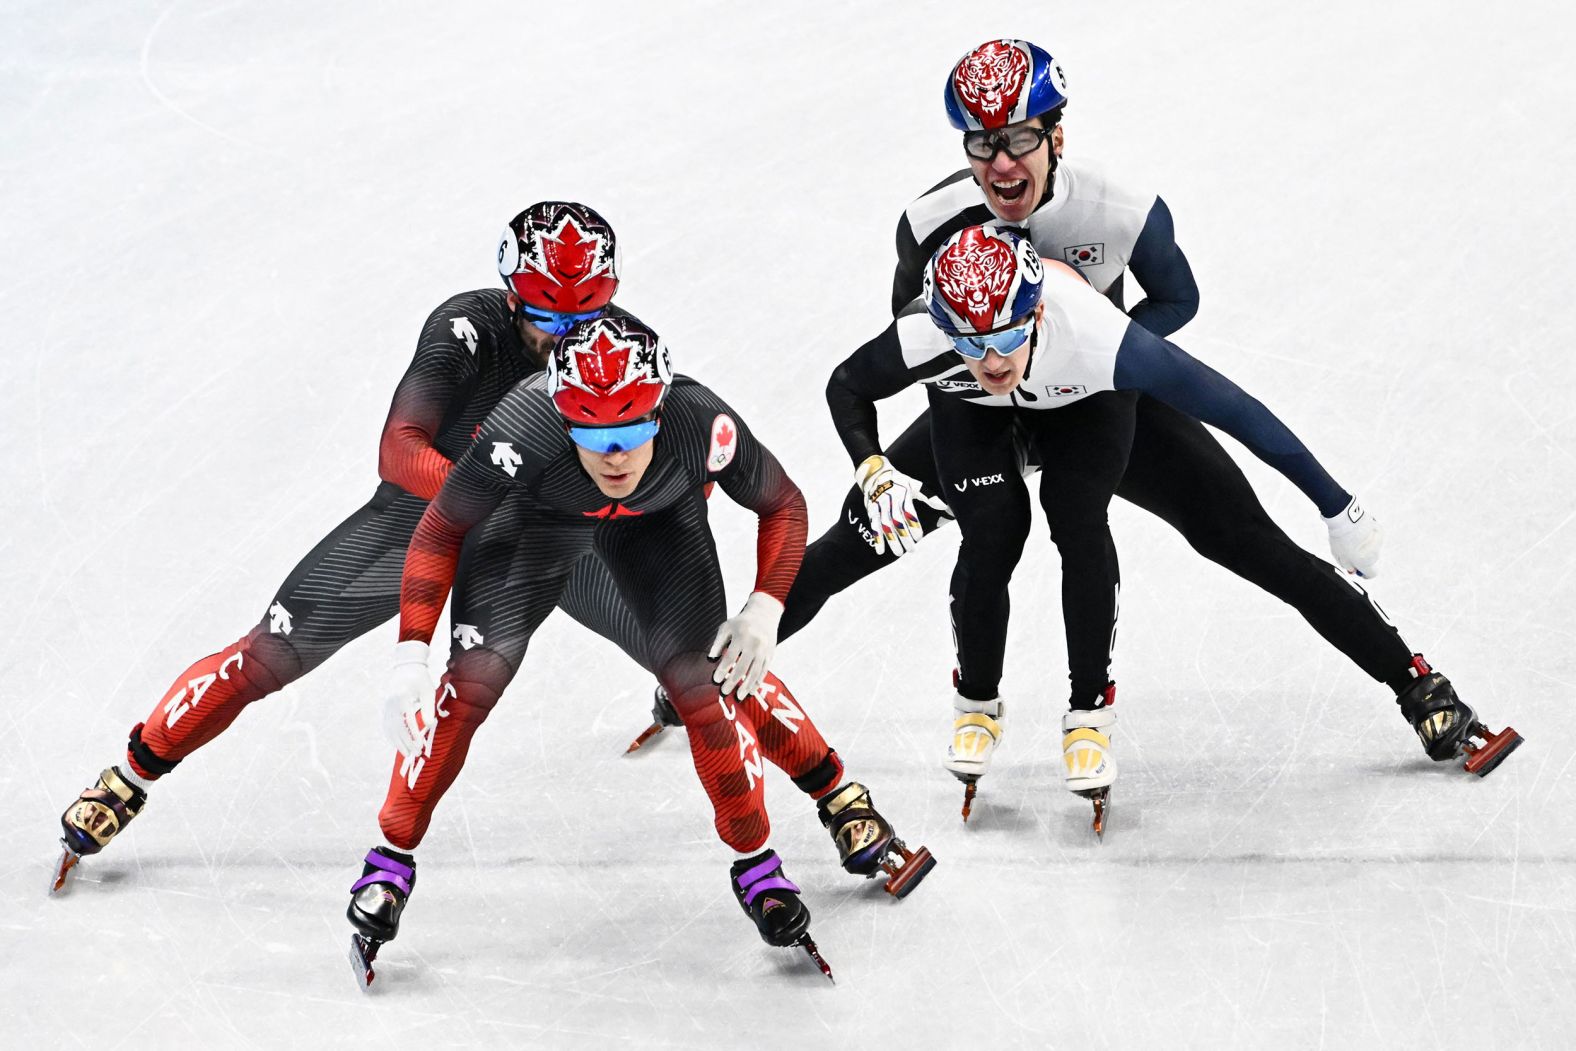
x=538 y=342
x=1000 y=374
x=1014 y=185
x=541 y=334
x=616 y=474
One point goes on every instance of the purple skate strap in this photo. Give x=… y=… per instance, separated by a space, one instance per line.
x=765 y=868
x=771 y=883
x=391 y=871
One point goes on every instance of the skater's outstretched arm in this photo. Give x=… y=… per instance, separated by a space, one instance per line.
x=1159 y=367
x=443 y=365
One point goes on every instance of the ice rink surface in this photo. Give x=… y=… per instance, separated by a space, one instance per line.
x=223 y=227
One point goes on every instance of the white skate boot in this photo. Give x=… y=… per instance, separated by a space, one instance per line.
x=1091 y=766
x=975 y=733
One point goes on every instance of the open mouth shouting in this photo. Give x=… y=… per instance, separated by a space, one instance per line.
x=1010 y=190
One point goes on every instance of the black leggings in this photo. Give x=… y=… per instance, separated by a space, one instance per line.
x=1178 y=471
x=1082 y=450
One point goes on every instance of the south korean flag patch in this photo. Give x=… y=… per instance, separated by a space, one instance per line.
x=724 y=443
x=1084 y=255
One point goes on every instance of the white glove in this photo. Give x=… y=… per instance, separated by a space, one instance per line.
x=410 y=707
x=1354 y=540
x=746 y=643
x=889 y=504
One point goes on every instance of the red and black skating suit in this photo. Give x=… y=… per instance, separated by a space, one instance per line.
x=470 y=353
x=515 y=518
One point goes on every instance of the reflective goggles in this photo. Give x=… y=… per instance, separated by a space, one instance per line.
x=1018 y=142
x=618 y=439
x=553 y=322
x=1004 y=342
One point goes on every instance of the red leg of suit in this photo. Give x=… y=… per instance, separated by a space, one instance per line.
x=729 y=738
x=206 y=698
x=466 y=695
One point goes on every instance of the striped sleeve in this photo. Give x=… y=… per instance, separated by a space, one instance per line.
x=438 y=376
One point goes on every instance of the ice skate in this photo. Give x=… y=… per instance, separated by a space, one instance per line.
x=866 y=844
x=376 y=901
x=975 y=734
x=1447 y=725
x=1086 y=751
x=663 y=715
x=771 y=900
x=96 y=817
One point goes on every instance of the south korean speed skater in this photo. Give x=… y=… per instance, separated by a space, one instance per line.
x=612 y=455
x=1010 y=348
x=559 y=262
x=1071 y=208
x=1007 y=97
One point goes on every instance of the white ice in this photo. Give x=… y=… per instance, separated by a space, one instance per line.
x=223 y=224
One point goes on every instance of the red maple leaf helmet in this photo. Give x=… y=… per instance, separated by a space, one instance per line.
x=608 y=370
x=560 y=256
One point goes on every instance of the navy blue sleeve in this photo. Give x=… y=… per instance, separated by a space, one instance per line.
x=1147 y=363
x=1162 y=269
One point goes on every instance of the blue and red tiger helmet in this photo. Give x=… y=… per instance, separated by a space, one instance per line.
x=608 y=371
x=983 y=280
x=1002 y=82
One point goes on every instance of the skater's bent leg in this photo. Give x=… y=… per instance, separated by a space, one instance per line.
x=1180 y=473
x=977 y=459
x=1083 y=452
x=724 y=745
x=207 y=697
x=466 y=696
x=344 y=587
x=510 y=577
x=789 y=739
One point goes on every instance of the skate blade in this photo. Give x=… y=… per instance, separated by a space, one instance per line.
x=68 y=861
x=968 y=799
x=1101 y=798
x=1483 y=759
x=909 y=871
x=362 y=952
x=645 y=735
x=815 y=954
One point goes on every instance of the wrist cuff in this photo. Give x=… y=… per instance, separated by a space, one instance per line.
x=410 y=652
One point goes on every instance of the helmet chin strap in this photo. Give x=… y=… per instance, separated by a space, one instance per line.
x=1050 y=180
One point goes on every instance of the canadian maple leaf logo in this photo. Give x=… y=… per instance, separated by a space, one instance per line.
x=724 y=434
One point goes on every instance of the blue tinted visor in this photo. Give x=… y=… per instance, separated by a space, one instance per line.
x=1004 y=342
x=553 y=322
x=620 y=439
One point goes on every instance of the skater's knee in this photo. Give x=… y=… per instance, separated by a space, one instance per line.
x=1080 y=533
x=269 y=662
x=991 y=555
x=687 y=679
x=473 y=684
